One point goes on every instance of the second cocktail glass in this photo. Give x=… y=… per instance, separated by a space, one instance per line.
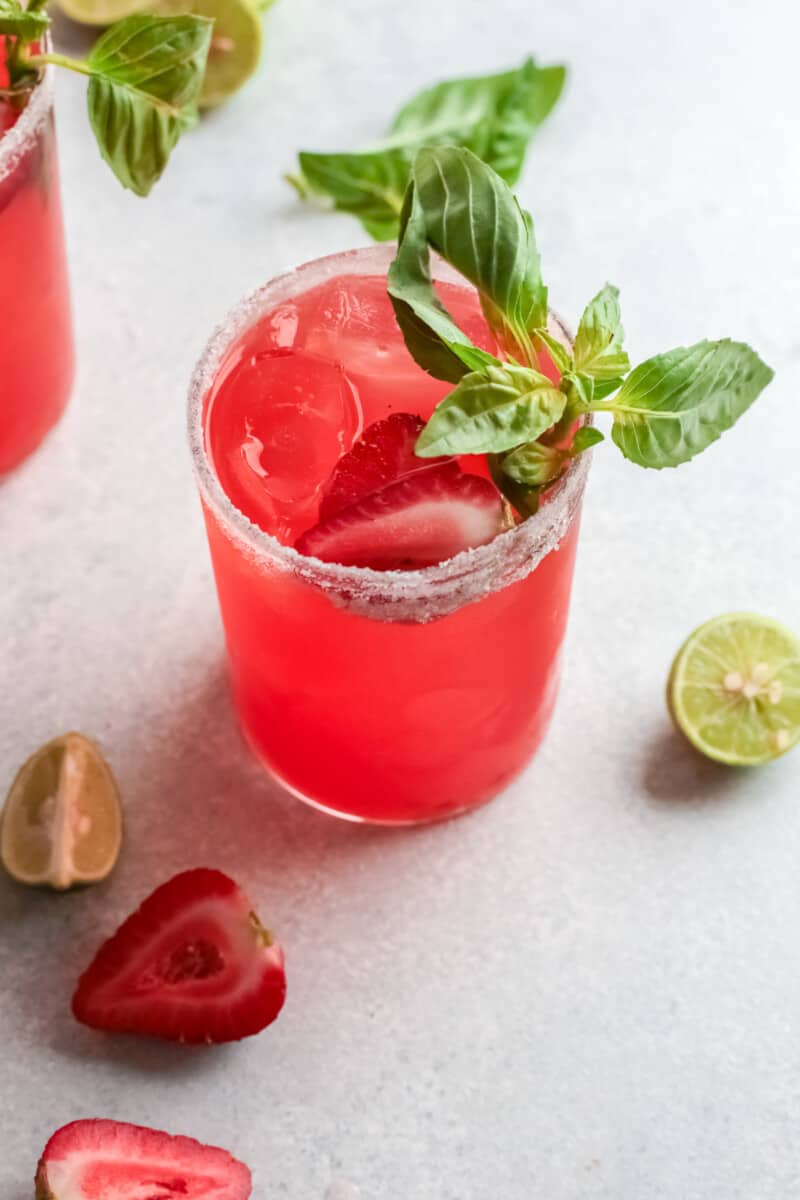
x=36 y=355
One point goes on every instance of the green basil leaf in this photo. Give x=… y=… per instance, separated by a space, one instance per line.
x=492 y=410
x=474 y=222
x=431 y=334
x=16 y=21
x=146 y=75
x=464 y=211
x=558 y=352
x=675 y=405
x=586 y=437
x=598 y=343
x=535 y=464
x=493 y=115
x=580 y=392
x=371 y=186
x=524 y=499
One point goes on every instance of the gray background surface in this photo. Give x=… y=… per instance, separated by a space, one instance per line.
x=590 y=988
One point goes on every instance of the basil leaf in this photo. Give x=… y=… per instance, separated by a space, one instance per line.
x=370 y=186
x=494 y=115
x=474 y=221
x=586 y=437
x=524 y=499
x=580 y=392
x=676 y=404
x=431 y=334
x=492 y=410
x=557 y=351
x=16 y=21
x=535 y=464
x=462 y=209
x=598 y=343
x=146 y=75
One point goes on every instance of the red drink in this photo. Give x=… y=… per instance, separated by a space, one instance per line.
x=388 y=696
x=36 y=358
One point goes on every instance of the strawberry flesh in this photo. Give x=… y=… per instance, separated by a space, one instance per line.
x=417 y=521
x=192 y=964
x=111 y=1160
x=383 y=454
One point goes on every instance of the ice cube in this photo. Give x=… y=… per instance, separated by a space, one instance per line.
x=277 y=426
x=349 y=320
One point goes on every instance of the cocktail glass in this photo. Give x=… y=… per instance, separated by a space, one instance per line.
x=391 y=697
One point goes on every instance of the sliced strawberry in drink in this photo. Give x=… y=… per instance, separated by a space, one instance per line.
x=416 y=522
x=383 y=453
x=111 y=1160
x=192 y=964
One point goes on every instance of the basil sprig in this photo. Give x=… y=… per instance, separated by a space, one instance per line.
x=665 y=411
x=495 y=116
x=145 y=75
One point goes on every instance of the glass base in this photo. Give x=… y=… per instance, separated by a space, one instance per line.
x=403 y=823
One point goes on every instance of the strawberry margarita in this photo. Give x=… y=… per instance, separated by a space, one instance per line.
x=36 y=358
x=393 y=636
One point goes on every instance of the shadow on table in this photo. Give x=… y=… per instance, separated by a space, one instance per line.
x=204 y=799
x=676 y=773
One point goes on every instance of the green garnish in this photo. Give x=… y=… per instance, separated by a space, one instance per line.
x=495 y=116
x=145 y=75
x=665 y=411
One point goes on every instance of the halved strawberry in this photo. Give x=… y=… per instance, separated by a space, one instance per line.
x=111 y=1160
x=383 y=454
x=415 y=522
x=192 y=964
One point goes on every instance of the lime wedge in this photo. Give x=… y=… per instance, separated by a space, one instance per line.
x=734 y=689
x=100 y=12
x=62 y=821
x=235 y=42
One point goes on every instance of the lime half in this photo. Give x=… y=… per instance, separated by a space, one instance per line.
x=100 y=12
x=235 y=42
x=734 y=689
x=62 y=821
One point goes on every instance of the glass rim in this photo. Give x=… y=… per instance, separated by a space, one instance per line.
x=15 y=142
x=513 y=553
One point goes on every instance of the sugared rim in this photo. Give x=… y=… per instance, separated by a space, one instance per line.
x=510 y=555
x=23 y=134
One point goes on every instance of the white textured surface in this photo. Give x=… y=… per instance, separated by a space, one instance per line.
x=590 y=988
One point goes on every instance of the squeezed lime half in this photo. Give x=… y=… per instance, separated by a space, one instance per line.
x=734 y=689
x=62 y=819
x=236 y=42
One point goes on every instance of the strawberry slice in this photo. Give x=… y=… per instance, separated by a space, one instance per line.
x=111 y=1160
x=415 y=522
x=383 y=454
x=193 y=964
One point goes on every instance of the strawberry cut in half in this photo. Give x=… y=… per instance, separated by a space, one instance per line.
x=383 y=454
x=192 y=964
x=111 y=1160
x=417 y=521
